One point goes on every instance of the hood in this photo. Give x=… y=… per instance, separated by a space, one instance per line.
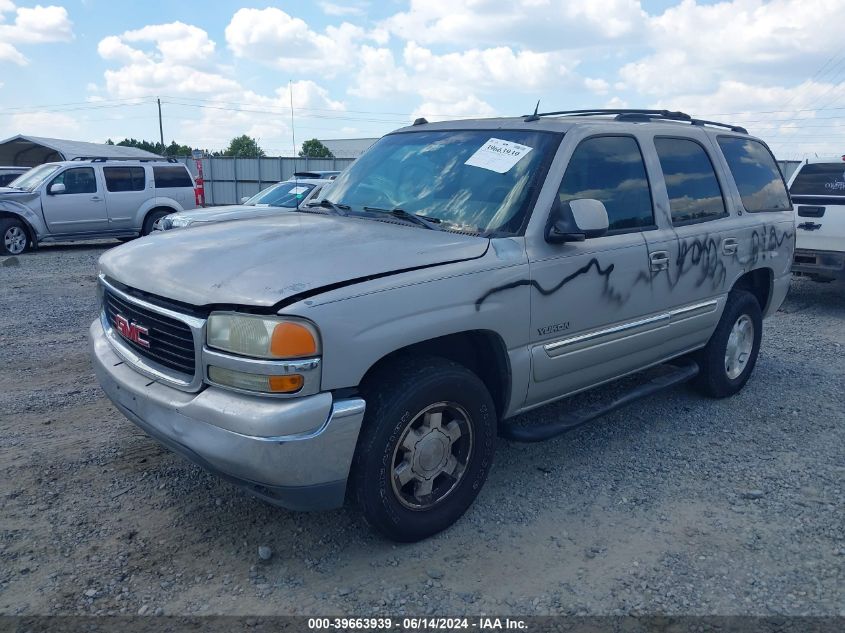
x=232 y=212
x=263 y=261
x=16 y=195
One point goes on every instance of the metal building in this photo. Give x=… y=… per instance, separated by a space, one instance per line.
x=29 y=151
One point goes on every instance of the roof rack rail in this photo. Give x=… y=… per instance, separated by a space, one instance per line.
x=637 y=115
x=141 y=159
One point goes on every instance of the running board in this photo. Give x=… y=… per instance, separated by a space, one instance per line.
x=678 y=374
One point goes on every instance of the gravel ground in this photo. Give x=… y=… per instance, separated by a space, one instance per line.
x=675 y=505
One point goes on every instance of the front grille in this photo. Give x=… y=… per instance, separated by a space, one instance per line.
x=171 y=341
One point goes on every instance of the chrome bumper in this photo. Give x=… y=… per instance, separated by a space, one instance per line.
x=294 y=453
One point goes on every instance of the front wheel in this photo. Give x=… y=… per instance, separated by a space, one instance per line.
x=13 y=237
x=728 y=359
x=425 y=449
x=152 y=220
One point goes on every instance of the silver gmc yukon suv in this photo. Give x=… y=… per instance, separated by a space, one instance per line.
x=372 y=347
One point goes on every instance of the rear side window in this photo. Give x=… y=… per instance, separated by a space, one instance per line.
x=170 y=177
x=611 y=169
x=694 y=192
x=820 y=179
x=125 y=178
x=756 y=174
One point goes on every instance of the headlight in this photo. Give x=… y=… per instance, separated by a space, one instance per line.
x=178 y=221
x=262 y=337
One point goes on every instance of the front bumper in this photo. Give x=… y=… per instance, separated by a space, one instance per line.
x=294 y=453
x=828 y=264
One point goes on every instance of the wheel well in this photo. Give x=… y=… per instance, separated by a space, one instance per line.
x=155 y=209
x=759 y=283
x=481 y=351
x=29 y=231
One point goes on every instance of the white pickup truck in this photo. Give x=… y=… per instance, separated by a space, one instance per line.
x=818 y=192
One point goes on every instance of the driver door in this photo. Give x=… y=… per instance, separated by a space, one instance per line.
x=81 y=208
x=594 y=316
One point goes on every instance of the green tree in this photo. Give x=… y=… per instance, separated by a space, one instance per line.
x=243 y=147
x=174 y=149
x=315 y=149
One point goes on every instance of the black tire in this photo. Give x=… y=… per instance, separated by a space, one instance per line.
x=715 y=379
x=153 y=217
x=14 y=238
x=397 y=396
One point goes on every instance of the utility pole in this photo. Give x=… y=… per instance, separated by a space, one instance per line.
x=160 y=128
x=292 y=134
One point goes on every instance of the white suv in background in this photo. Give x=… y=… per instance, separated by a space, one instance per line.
x=91 y=198
x=818 y=192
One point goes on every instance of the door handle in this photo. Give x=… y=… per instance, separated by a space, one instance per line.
x=730 y=245
x=96 y=198
x=659 y=260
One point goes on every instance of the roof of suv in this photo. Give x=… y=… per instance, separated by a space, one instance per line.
x=565 y=120
x=117 y=161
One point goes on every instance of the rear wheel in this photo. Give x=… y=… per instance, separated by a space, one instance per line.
x=152 y=220
x=14 y=239
x=729 y=357
x=425 y=448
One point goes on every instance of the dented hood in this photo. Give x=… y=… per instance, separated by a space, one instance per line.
x=260 y=262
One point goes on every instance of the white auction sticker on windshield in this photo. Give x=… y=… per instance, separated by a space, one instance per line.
x=498 y=155
x=297 y=190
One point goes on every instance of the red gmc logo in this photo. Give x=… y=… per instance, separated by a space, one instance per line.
x=131 y=331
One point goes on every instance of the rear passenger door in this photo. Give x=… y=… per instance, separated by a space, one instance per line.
x=591 y=307
x=126 y=191
x=692 y=254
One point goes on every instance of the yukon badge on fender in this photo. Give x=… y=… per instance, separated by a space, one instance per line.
x=372 y=344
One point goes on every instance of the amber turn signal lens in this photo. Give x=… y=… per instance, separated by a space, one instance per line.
x=286 y=384
x=292 y=340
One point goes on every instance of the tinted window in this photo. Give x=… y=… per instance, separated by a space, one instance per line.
x=168 y=177
x=77 y=180
x=694 y=192
x=820 y=179
x=124 y=178
x=611 y=169
x=5 y=179
x=756 y=174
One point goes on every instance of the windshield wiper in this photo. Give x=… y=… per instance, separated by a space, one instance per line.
x=416 y=218
x=338 y=208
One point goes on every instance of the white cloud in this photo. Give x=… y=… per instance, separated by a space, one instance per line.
x=539 y=24
x=36 y=25
x=468 y=107
x=695 y=46
x=330 y=8
x=598 y=86
x=173 y=58
x=51 y=124
x=272 y=37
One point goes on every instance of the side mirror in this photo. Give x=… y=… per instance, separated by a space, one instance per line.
x=56 y=189
x=244 y=199
x=576 y=220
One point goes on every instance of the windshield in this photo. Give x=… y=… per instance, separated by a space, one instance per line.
x=34 y=177
x=477 y=181
x=284 y=194
x=820 y=179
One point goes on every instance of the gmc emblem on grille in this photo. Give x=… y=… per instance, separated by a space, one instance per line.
x=131 y=331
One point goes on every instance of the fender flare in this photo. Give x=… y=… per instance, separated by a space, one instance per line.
x=165 y=204
x=32 y=222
